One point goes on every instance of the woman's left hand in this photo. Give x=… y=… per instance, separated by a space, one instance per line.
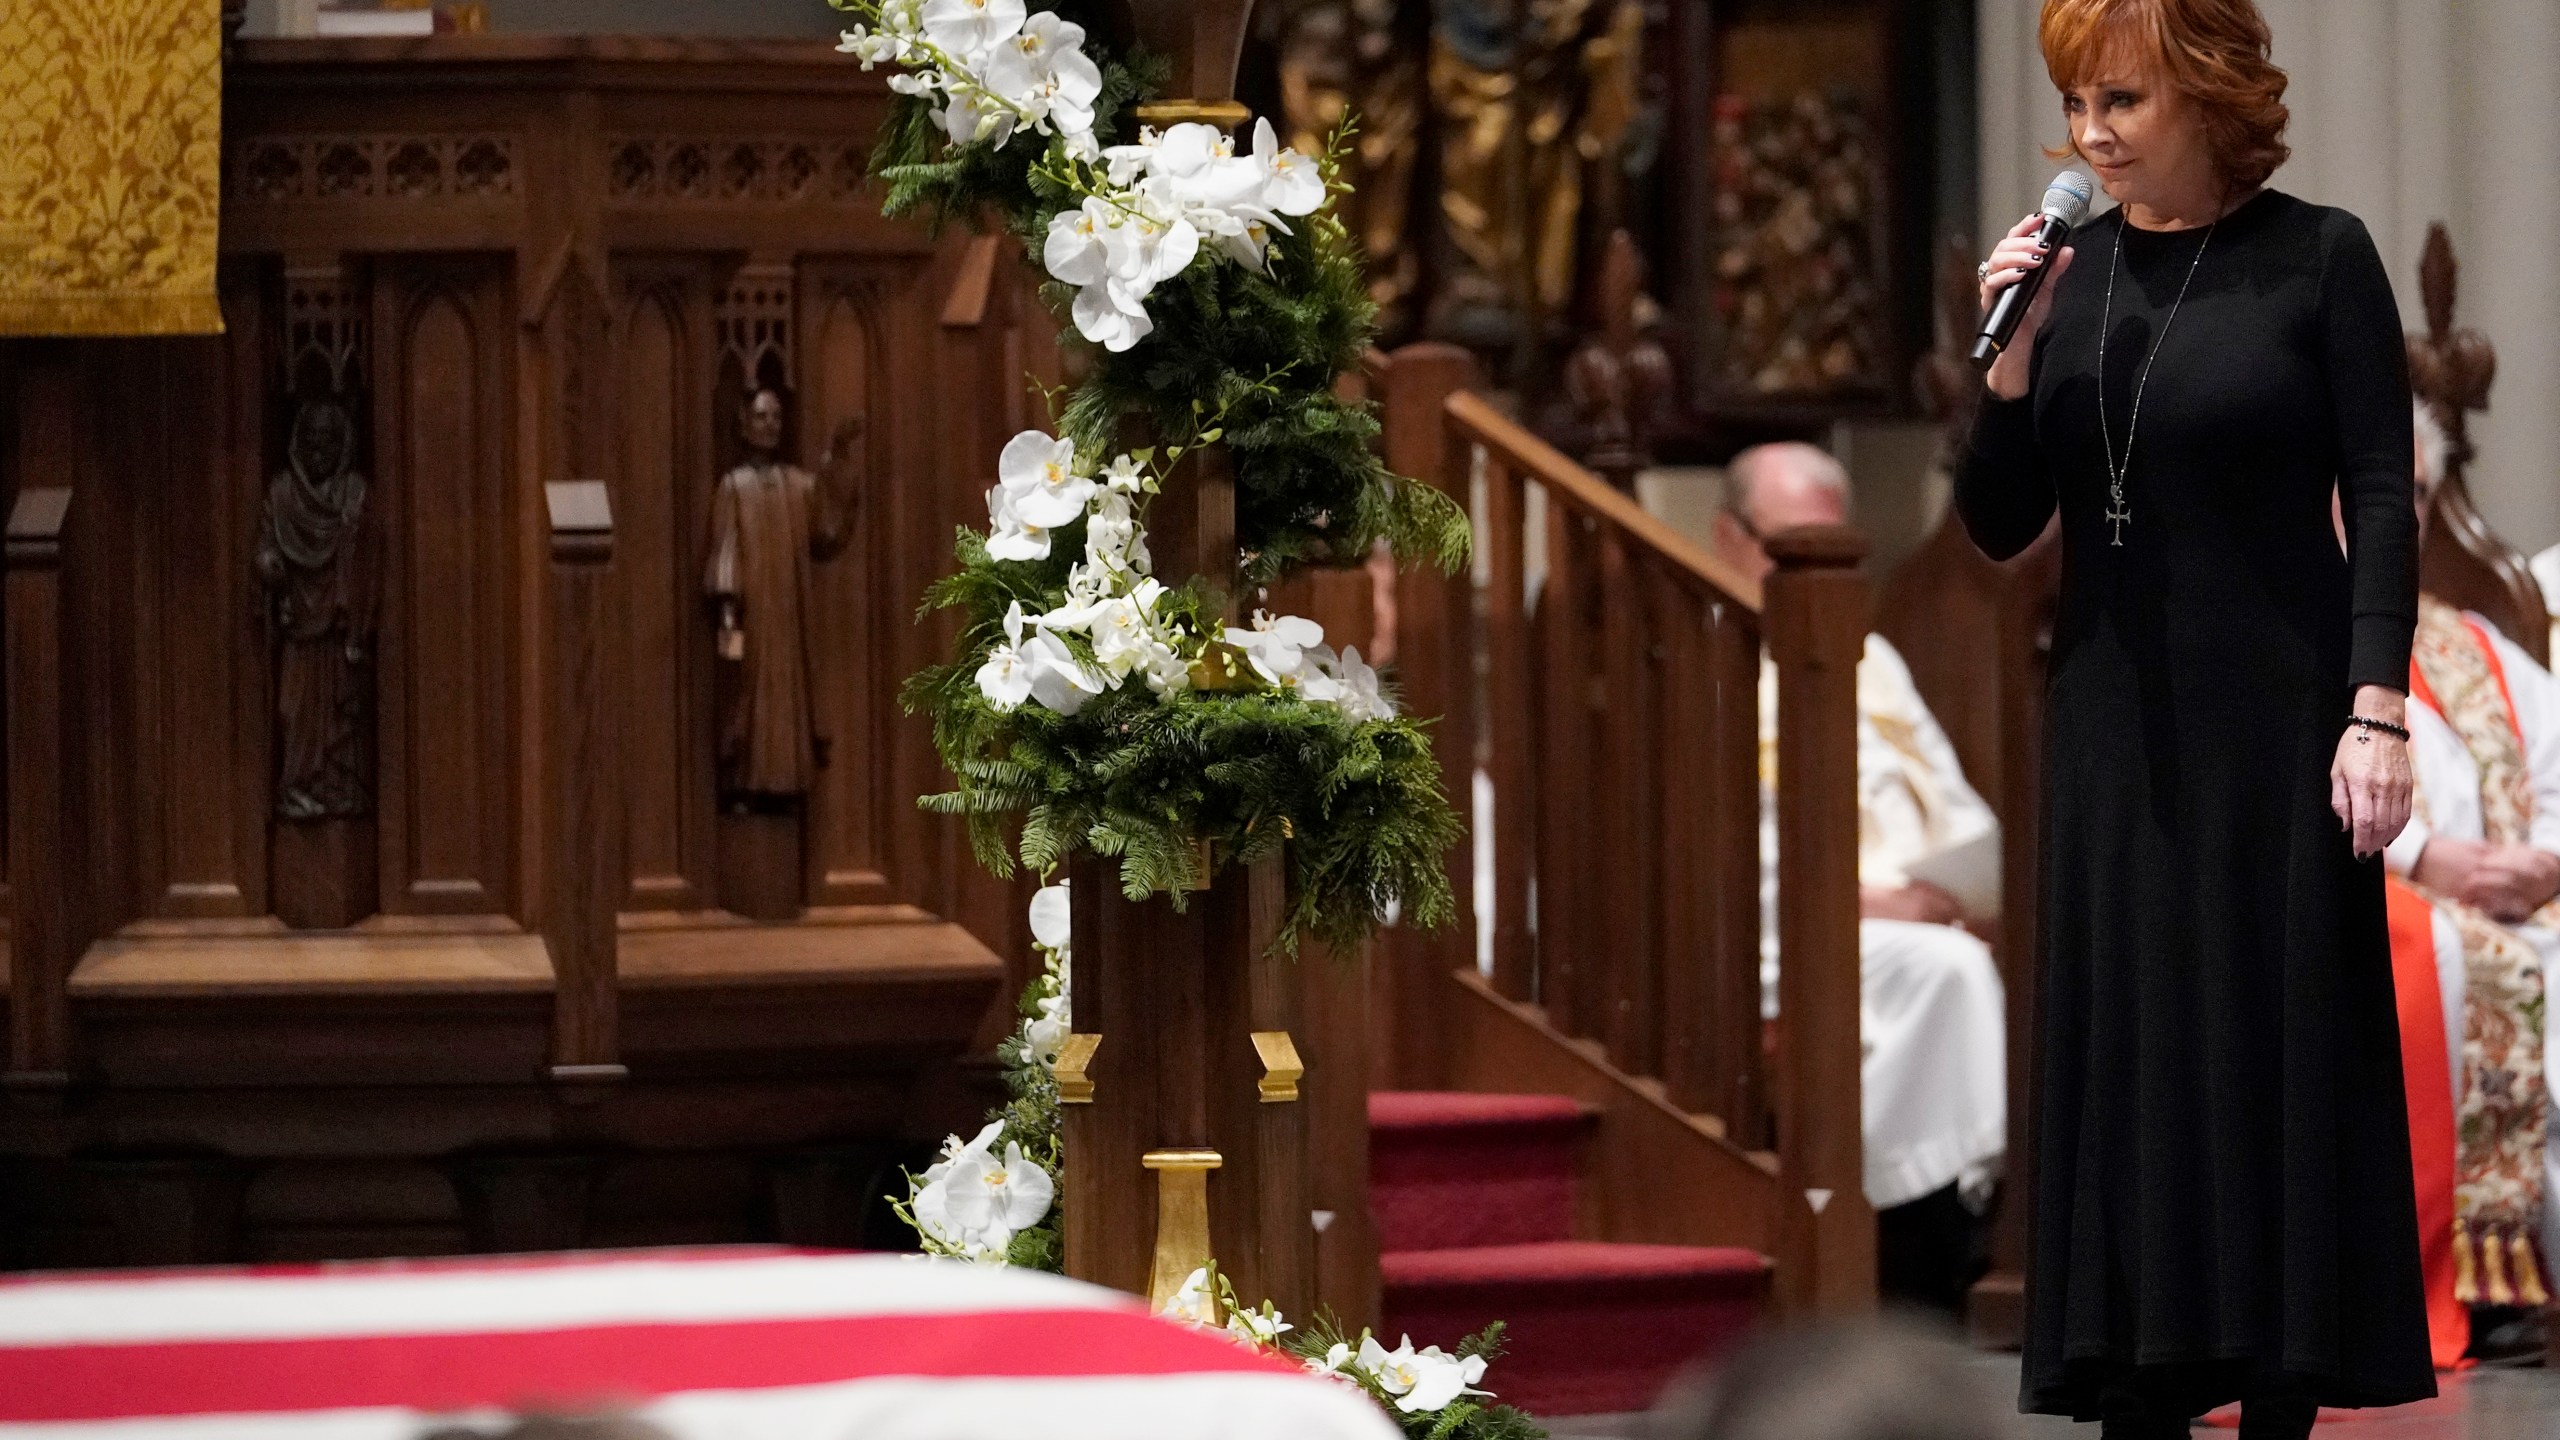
x=2370 y=783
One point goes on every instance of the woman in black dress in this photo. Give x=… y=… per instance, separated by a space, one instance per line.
x=2222 y=1192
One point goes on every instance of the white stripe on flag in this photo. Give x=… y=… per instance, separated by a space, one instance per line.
x=1172 y=1407
x=636 y=1291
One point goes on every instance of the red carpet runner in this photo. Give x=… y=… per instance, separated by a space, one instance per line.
x=1475 y=1198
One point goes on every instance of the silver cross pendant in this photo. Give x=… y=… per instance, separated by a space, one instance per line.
x=2119 y=517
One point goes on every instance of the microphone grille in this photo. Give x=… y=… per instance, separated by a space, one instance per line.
x=2067 y=198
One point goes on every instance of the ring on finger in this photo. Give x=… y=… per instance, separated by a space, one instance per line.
x=1983 y=271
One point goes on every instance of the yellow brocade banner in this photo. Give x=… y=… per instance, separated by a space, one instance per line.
x=110 y=166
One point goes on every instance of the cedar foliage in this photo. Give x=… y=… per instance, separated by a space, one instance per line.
x=1144 y=779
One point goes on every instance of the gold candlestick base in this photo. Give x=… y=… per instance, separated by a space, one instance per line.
x=1182 y=1221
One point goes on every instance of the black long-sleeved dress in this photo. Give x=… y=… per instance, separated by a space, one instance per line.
x=2222 y=1184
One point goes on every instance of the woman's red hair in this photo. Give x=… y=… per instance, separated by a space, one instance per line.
x=2214 y=51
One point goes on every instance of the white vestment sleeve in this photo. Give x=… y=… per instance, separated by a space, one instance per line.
x=1965 y=813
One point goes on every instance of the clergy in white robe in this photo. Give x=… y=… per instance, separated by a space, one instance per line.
x=1932 y=1022
x=2482 y=848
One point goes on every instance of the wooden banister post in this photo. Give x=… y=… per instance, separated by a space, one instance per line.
x=583 y=871
x=1816 y=626
x=47 y=930
x=1434 y=658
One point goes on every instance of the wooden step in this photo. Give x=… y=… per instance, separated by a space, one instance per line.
x=1590 y=1327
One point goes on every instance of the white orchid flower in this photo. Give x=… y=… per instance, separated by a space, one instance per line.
x=1009 y=536
x=1167 y=672
x=968 y=29
x=1260 y=1328
x=1049 y=928
x=1333 y=1359
x=973 y=115
x=915 y=82
x=1125 y=164
x=1125 y=474
x=1045 y=1033
x=933 y=1203
x=1428 y=1379
x=1392 y=1369
x=1151 y=245
x=902 y=17
x=1360 y=697
x=1277 y=645
x=1198 y=166
x=1106 y=315
x=1315 y=680
x=993 y=1199
x=1249 y=244
x=1059 y=681
x=1439 y=1379
x=1113 y=543
x=872 y=47
x=1005 y=679
x=1123 y=629
x=1193 y=1303
x=1294 y=183
x=1074 y=251
x=1043 y=68
x=1038 y=475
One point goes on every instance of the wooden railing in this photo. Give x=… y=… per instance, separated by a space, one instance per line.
x=1613 y=671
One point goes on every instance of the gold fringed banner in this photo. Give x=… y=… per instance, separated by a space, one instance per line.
x=110 y=166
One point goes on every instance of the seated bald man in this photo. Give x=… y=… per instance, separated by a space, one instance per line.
x=1931 y=1020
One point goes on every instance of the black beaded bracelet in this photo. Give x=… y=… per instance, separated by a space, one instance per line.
x=2385 y=726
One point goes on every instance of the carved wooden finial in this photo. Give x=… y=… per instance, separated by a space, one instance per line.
x=2463 y=562
x=2450 y=369
x=2437 y=275
x=1619 y=380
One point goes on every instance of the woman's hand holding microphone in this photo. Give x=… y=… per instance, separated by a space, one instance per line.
x=2015 y=255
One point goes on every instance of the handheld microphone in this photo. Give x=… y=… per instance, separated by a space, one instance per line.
x=2066 y=204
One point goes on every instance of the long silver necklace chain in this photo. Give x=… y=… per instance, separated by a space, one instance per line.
x=2117 y=515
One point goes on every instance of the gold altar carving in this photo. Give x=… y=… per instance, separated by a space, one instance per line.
x=110 y=166
x=1342 y=58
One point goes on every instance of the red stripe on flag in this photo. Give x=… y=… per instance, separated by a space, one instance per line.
x=608 y=1365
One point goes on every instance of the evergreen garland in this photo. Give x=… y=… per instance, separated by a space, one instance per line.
x=1247 y=360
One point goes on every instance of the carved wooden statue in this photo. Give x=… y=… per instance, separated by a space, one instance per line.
x=316 y=558
x=770 y=520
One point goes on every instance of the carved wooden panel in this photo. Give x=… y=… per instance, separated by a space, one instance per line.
x=203 y=742
x=661 y=492
x=370 y=167
x=444 y=357
x=9 y=470
x=694 y=168
x=845 y=343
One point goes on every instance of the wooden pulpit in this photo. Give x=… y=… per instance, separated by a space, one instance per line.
x=432 y=934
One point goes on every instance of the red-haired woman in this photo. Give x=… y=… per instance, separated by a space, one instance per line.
x=2222 y=1195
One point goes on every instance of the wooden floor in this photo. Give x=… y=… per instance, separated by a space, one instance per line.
x=2477 y=1405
